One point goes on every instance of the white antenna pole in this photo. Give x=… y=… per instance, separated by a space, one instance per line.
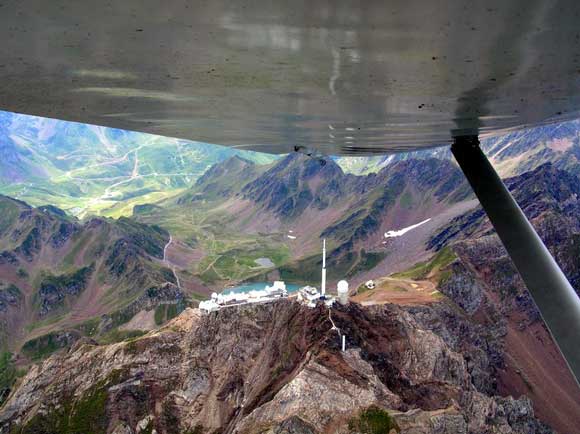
x=323 y=286
x=343 y=343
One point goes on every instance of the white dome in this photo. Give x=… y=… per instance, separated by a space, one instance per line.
x=342 y=286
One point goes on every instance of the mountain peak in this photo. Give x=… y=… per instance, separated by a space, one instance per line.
x=235 y=161
x=7 y=199
x=296 y=183
x=545 y=183
x=230 y=166
x=51 y=209
x=223 y=179
x=307 y=166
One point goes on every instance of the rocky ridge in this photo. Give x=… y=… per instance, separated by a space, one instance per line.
x=277 y=368
x=485 y=284
x=550 y=198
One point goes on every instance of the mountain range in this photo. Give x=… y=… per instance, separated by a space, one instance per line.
x=103 y=263
x=290 y=205
x=448 y=363
x=64 y=278
x=61 y=278
x=511 y=154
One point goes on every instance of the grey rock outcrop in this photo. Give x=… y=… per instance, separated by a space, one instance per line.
x=274 y=368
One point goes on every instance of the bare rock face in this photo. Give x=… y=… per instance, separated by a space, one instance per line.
x=463 y=288
x=274 y=368
x=294 y=425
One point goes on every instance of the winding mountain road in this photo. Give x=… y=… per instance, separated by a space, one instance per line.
x=168 y=264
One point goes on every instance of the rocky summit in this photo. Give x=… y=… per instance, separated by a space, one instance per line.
x=277 y=368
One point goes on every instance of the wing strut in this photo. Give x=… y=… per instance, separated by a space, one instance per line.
x=556 y=299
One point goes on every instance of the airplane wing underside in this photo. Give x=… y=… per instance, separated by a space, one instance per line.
x=345 y=77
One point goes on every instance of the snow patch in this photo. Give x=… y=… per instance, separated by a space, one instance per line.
x=392 y=234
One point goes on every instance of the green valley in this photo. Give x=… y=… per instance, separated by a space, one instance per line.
x=90 y=170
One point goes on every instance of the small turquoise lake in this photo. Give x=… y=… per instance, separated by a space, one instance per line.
x=247 y=287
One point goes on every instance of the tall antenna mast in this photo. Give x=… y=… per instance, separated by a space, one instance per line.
x=323 y=285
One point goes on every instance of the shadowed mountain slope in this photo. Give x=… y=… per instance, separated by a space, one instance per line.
x=68 y=272
x=480 y=277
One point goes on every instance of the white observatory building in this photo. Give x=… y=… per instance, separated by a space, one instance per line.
x=342 y=291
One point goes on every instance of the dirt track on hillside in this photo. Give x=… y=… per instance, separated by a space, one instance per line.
x=399 y=291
